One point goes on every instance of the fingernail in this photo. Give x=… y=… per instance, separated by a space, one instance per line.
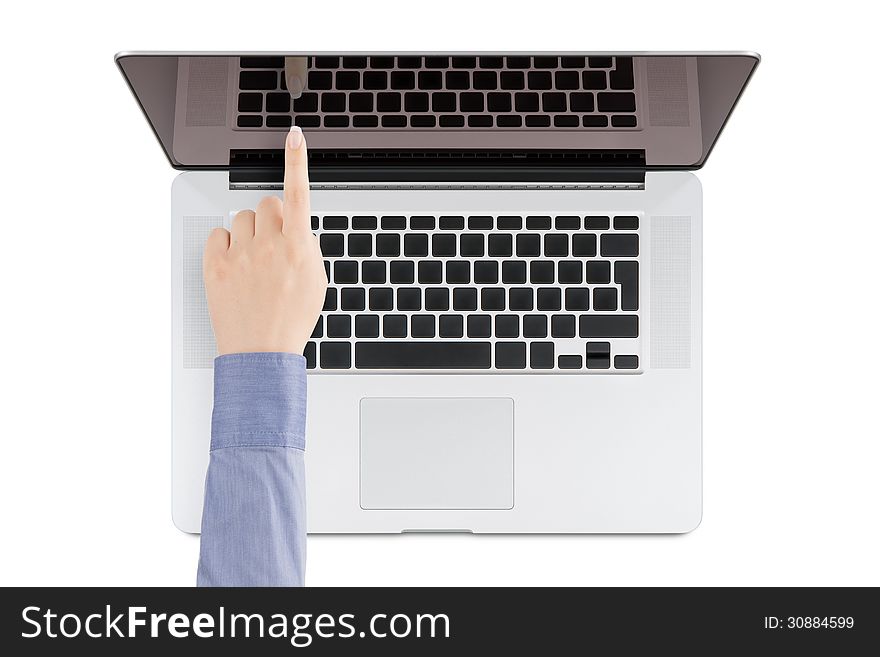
x=294 y=137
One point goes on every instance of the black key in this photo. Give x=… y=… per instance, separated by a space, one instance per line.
x=375 y=80
x=623 y=121
x=542 y=356
x=443 y=246
x=310 y=354
x=409 y=62
x=430 y=80
x=479 y=121
x=571 y=272
x=332 y=244
x=522 y=298
x=421 y=222
x=599 y=271
x=320 y=80
x=581 y=102
x=491 y=62
x=497 y=101
x=562 y=326
x=382 y=62
x=415 y=101
x=513 y=80
x=626 y=362
x=336 y=355
x=583 y=246
x=519 y=62
x=387 y=245
x=571 y=362
x=507 y=326
x=526 y=102
x=307 y=121
x=605 y=298
x=553 y=101
x=486 y=271
x=542 y=271
x=249 y=121
x=480 y=223
x=443 y=101
x=366 y=326
x=430 y=271
x=510 y=355
x=534 y=326
x=485 y=80
x=262 y=62
x=360 y=245
x=345 y=271
x=403 y=80
x=363 y=223
x=318 y=331
x=451 y=121
x=394 y=223
x=451 y=326
x=381 y=298
x=567 y=79
x=387 y=101
x=577 y=298
x=339 y=326
x=437 y=298
x=626 y=223
x=470 y=101
x=555 y=245
x=472 y=246
x=306 y=103
x=354 y=62
x=546 y=62
x=423 y=355
x=458 y=80
x=314 y=222
x=464 y=298
x=436 y=62
x=394 y=326
x=609 y=326
x=392 y=121
x=251 y=102
x=626 y=274
x=594 y=80
x=538 y=223
x=348 y=80
x=332 y=102
x=549 y=298
x=619 y=245
x=250 y=80
x=373 y=272
x=282 y=121
x=352 y=298
x=479 y=326
x=612 y=101
x=451 y=223
x=458 y=271
x=327 y=269
x=402 y=271
x=598 y=355
x=415 y=245
x=464 y=62
x=334 y=121
x=566 y=121
x=622 y=75
x=422 y=326
x=409 y=298
x=574 y=62
x=326 y=62
x=422 y=121
x=528 y=245
x=537 y=121
x=513 y=272
x=600 y=62
x=540 y=80
x=500 y=245
x=330 y=300
x=360 y=102
x=507 y=222
x=595 y=121
x=492 y=298
x=597 y=223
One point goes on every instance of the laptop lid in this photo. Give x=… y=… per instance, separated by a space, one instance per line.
x=458 y=116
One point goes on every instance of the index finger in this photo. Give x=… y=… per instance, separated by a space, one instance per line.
x=296 y=183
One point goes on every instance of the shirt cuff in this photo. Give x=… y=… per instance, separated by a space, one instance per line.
x=259 y=400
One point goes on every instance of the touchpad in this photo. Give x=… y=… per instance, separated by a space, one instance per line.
x=421 y=453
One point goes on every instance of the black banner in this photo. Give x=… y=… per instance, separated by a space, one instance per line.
x=439 y=621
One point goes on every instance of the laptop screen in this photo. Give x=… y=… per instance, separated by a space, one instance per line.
x=602 y=110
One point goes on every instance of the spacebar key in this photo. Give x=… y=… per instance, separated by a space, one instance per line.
x=422 y=355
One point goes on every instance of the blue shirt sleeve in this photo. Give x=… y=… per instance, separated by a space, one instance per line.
x=254 y=517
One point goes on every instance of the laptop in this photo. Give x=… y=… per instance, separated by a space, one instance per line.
x=511 y=338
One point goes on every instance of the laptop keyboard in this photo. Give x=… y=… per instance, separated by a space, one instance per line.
x=441 y=92
x=478 y=293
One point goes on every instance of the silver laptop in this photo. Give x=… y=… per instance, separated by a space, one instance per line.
x=511 y=339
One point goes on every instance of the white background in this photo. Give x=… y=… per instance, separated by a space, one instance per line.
x=791 y=243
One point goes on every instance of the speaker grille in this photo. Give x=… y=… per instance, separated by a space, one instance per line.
x=199 y=348
x=670 y=292
x=668 y=92
x=206 y=92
